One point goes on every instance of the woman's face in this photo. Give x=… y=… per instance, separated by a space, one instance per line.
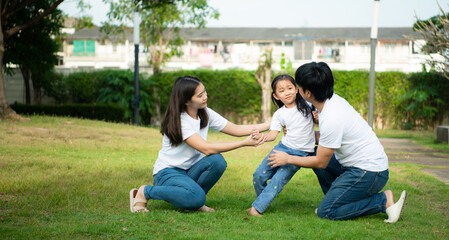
x=199 y=98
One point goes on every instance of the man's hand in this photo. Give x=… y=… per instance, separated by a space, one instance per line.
x=277 y=158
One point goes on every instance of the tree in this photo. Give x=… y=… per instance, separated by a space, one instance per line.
x=263 y=76
x=9 y=9
x=161 y=23
x=34 y=49
x=435 y=31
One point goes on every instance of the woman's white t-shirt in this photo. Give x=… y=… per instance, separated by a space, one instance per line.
x=184 y=156
x=355 y=143
x=300 y=132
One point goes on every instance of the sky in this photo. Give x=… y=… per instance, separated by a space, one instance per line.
x=299 y=13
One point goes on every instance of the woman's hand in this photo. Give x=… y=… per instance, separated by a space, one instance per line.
x=255 y=139
x=277 y=159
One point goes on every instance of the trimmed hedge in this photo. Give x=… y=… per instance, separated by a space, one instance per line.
x=106 y=112
x=416 y=100
x=233 y=93
x=102 y=87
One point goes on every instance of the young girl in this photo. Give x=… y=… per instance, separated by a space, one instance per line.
x=295 y=114
x=182 y=174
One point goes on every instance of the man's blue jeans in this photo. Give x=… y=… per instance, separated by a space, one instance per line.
x=279 y=177
x=350 y=192
x=187 y=189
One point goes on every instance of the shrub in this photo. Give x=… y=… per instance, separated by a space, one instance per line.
x=426 y=102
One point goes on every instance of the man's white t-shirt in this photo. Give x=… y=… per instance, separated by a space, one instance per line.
x=184 y=156
x=343 y=129
x=300 y=132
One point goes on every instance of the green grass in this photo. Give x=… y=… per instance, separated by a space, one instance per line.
x=63 y=178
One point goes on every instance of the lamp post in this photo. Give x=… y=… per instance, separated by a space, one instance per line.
x=372 y=73
x=136 y=20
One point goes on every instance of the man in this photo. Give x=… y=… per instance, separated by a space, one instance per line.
x=350 y=163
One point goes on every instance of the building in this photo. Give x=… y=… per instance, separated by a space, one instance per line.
x=223 y=48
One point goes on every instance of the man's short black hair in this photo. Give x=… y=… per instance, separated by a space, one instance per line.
x=317 y=78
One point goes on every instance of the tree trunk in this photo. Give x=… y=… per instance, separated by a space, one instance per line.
x=264 y=80
x=266 y=95
x=36 y=79
x=156 y=116
x=5 y=110
x=26 y=78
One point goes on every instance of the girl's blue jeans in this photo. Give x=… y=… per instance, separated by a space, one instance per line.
x=350 y=192
x=279 y=176
x=187 y=189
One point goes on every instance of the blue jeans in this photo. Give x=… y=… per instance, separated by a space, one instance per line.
x=350 y=192
x=267 y=192
x=187 y=189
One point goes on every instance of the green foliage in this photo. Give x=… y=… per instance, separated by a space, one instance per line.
x=83 y=87
x=388 y=106
x=118 y=87
x=426 y=102
x=233 y=93
x=353 y=86
x=105 y=86
x=106 y=112
x=55 y=85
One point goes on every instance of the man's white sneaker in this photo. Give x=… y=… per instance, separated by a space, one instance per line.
x=394 y=212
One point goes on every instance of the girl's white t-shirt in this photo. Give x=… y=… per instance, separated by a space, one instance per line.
x=300 y=131
x=355 y=143
x=184 y=156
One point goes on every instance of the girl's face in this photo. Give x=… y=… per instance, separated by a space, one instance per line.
x=199 y=98
x=286 y=92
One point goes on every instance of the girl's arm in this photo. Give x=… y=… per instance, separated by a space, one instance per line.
x=244 y=130
x=197 y=142
x=268 y=137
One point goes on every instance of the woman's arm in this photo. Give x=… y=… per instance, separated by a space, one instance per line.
x=244 y=130
x=321 y=160
x=197 y=142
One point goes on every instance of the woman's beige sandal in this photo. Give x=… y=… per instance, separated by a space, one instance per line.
x=133 y=200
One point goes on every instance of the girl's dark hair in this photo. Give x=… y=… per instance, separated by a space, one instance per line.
x=301 y=104
x=317 y=78
x=182 y=92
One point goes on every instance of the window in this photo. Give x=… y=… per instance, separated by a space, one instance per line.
x=83 y=48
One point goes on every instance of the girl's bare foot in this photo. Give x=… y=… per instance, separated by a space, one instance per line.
x=254 y=213
x=205 y=208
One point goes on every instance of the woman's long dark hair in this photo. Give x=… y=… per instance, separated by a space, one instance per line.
x=182 y=92
x=301 y=104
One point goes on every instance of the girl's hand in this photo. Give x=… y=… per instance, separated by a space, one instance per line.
x=315 y=116
x=277 y=159
x=255 y=134
x=251 y=141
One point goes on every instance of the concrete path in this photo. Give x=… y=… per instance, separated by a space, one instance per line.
x=408 y=151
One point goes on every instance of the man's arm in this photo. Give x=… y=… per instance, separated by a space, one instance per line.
x=321 y=160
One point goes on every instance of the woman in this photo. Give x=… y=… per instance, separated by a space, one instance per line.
x=188 y=166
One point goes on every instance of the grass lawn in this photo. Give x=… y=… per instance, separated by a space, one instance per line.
x=65 y=178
